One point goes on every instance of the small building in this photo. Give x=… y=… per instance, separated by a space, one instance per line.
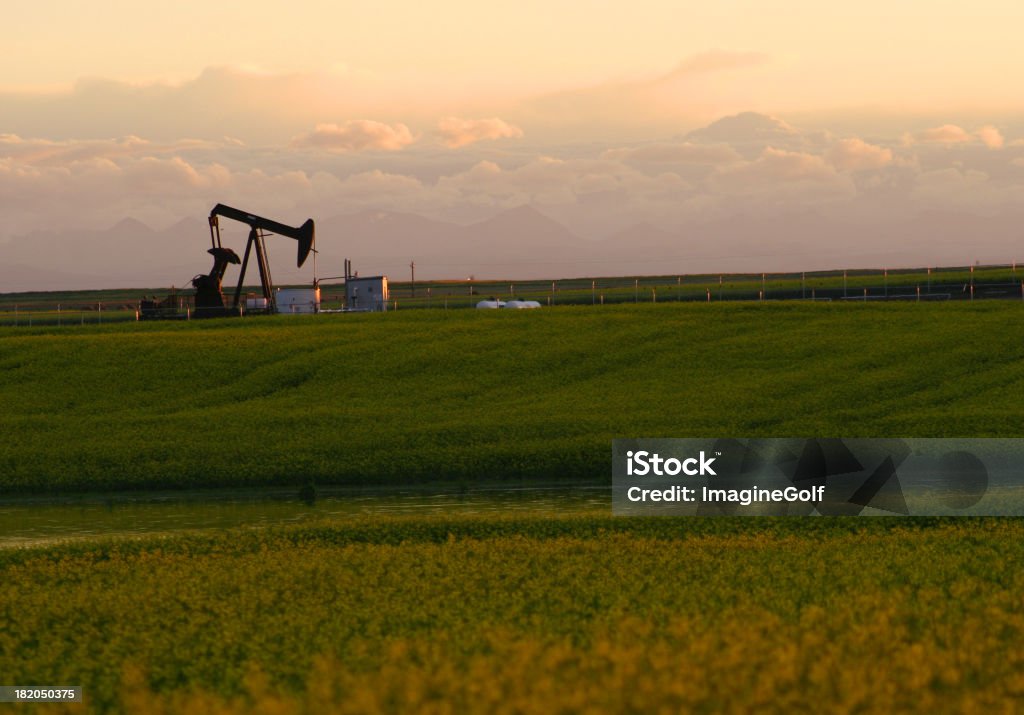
x=370 y=293
x=298 y=300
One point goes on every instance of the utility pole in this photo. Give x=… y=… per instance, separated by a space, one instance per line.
x=412 y=268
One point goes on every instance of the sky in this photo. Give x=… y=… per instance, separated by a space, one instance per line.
x=601 y=115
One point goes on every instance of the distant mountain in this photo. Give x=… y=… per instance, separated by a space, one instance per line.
x=519 y=243
x=127 y=253
x=20 y=278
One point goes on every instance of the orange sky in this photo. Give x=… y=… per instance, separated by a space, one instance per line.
x=602 y=115
x=912 y=53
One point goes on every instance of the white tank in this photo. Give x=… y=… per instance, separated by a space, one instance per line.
x=490 y=304
x=298 y=300
x=522 y=304
x=255 y=303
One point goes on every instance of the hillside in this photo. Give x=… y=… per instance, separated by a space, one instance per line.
x=467 y=396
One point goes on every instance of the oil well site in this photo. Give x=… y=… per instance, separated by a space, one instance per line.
x=229 y=288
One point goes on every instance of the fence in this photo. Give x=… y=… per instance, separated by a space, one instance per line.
x=868 y=285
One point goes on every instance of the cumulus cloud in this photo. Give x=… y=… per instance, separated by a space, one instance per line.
x=945 y=134
x=991 y=137
x=954 y=135
x=857 y=155
x=750 y=133
x=797 y=178
x=61 y=153
x=749 y=165
x=456 y=132
x=356 y=135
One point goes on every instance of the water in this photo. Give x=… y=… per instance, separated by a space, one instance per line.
x=26 y=522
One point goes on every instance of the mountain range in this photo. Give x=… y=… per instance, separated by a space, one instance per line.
x=520 y=243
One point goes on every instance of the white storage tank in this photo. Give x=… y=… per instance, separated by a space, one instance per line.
x=255 y=303
x=517 y=304
x=490 y=304
x=298 y=300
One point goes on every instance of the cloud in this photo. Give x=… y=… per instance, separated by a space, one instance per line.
x=714 y=61
x=456 y=132
x=796 y=178
x=43 y=152
x=750 y=165
x=954 y=135
x=857 y=155
x=991 y=137
x=945 y=134
x=550 y=181
x=750 y=133
x=356 y=135
x=694 y=87
x=682 y=153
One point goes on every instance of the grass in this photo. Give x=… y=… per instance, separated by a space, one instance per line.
x=561 y=613
x=462 y=396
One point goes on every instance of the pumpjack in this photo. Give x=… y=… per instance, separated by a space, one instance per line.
x=209 y=298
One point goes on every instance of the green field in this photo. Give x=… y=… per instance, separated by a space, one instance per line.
x=565 y=612
x=469 y=396
x=564 y=609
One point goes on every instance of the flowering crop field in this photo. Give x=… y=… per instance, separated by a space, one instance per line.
x=463 y=396
x=556 y=612
x=568 y=610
